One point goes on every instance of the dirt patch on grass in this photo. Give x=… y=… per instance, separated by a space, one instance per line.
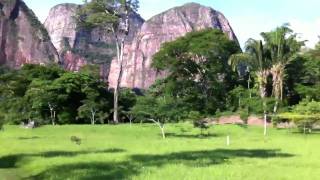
x=235 y=119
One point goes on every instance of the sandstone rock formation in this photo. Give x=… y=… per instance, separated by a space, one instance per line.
x=161 y=28
x=81 y=46
x=78 y=46
x=23 y=39
x=61 y=26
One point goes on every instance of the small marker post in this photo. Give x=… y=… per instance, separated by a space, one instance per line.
x=228 y=140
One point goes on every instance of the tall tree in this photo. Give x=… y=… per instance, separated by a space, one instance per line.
x=257 y=59
x=198 y=70
x=112 y=16
x=282 y=44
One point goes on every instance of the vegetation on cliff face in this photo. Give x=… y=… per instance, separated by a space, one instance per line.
x=37 y=27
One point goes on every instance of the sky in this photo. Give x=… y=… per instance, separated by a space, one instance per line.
x=248 y=18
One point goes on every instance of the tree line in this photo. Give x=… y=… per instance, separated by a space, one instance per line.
x=208 y=74
x=51 y=95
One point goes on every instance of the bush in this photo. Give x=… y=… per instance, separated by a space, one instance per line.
x=305 y=115
x=244 y=115
x=194 y=116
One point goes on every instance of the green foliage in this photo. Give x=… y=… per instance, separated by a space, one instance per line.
x=35 y=92
x=201 y=124
x=194 y=116
x=239 y=100
x=305 y=115
x=244 y=115
x=162 y=109
x=91 y=70
x=199 y=75
x=311 y=92
x=96 y=100
x=127 y=100
x=105 y=13
x=307 y=75
x=307 y=107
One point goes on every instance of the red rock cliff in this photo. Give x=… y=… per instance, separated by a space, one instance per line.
x=161 y=28
x=23 y=39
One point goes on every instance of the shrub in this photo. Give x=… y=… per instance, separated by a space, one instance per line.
x=305 y=115
x=194 y=116
x=244 y=115
x=201 y=124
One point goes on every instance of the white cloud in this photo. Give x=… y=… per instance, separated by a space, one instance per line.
x=307 y=30
x=247 y=27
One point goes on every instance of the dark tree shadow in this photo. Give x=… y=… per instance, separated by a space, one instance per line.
x=192 y=136
x=28 y=138
x=136 y=163
x=208 y=157
x=245 y=126
x=10 y=161
x=50 y=154
x=90 y=171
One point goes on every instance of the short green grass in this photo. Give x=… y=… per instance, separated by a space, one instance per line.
x=139 y=152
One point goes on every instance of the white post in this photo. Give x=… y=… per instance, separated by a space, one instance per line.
x=265 y=125
x=228 y=140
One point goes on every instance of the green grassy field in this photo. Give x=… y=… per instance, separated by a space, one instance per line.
x=138 y=152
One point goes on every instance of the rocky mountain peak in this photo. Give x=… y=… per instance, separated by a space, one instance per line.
x=166 y=26
x=80 y=46
x=23 y=38
x=61 y=24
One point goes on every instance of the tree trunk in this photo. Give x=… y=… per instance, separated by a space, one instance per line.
x=162 y=130
x=120 y=52
x=54 y=117
x=52 y=113
x=275 y=108
x=93 y=116
x=130 y=120
x=265 y=124
x=262 y=77
x=51 y=116
x=249 y=88
x=161 y=126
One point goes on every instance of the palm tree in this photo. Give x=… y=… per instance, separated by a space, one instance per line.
x=256 y=58
x=282 y=45
x=242 y=58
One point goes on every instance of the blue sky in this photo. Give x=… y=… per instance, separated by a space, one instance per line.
x=247 y=17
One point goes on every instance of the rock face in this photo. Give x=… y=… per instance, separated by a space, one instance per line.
x=78 y=47
x=61 y=26
x=167 y=26
x=23 y=39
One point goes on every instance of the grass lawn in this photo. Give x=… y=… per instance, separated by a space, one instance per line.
x=139 y=152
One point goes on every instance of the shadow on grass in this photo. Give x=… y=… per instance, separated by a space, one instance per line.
x=136 y=163
x=10 y=161
x=28 y=138
x=245 y=126
x=195 y=136
x=90 y=170
x=208 y=157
